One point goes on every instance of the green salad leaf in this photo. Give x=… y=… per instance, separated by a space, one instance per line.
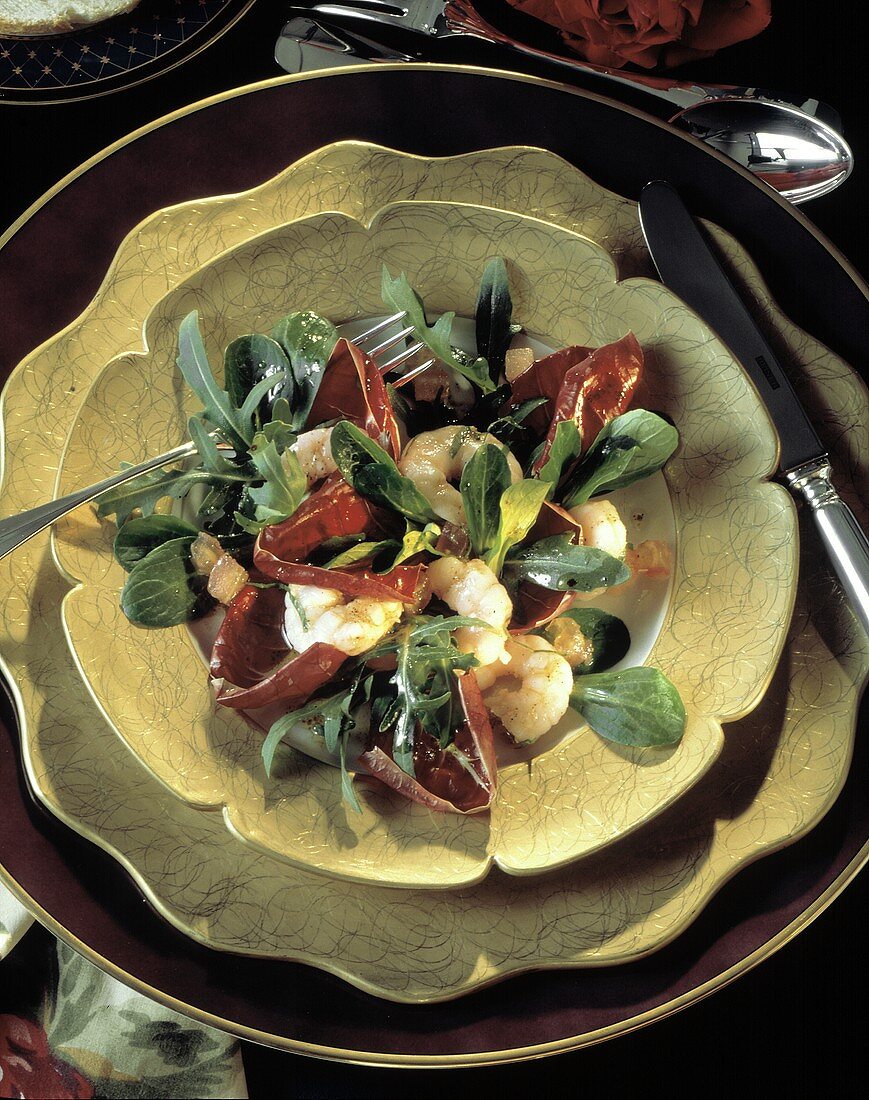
x=559 y=564
x=637 y=706
x=493 y=315
x=520 y=505
x=566 y=447
x=138 y=537
x=308 y=341
x=485 y=479
x=247 y=361
x=284 y=485
x=144 y=491
x=163 y=588
x=607 y=636
x=629 y=447
x=400 y=296
x=193 y=363
x=423 y=681
x=373 y=474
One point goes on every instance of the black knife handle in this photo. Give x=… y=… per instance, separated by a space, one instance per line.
x=845 y=540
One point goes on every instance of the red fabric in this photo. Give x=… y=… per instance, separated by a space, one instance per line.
x=29 y=1068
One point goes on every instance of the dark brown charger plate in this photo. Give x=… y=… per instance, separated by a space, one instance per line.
x=51 y=264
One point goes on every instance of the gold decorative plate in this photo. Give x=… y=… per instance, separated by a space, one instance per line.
x=731 y=595
x=780 y=769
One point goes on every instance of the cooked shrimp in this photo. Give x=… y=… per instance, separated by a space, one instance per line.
x=602 y=527
x=313 y=449
x=471 y=588
x=433 y=459
x=327 y=616
x=531 y=692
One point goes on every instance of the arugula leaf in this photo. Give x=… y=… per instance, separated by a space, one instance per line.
x=194 y=366
x=400 y=296
x=637 y=706
x=606 y=636
x=559 y=564
x=163 y=588
x=484 y=480
x=373 y=474
x=207 y=448
x=247 y=361
x=520 y=504
x=308 y=341
x=492 y=315
x=566 y=446
x=284 y=485
x=144 y=491
x=426 y=660
x=336 y=720
x=138 y=537
x=362 y=551
x=629 y=447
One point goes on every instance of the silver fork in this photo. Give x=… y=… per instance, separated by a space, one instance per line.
x=18 y=529
x=443 y=19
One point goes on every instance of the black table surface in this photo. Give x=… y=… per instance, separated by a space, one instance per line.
x=795 y=1024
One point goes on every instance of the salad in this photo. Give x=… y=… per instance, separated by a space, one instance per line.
x=405 y=566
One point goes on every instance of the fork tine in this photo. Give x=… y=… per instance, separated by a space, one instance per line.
x=390 y=342
x=411 y=374
x=375 y=330
x=402 y=357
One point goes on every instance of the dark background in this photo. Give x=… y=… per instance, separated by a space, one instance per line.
x=797 y=1024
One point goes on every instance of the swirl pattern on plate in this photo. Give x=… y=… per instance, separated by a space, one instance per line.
x=780 y=770
x=730 y=598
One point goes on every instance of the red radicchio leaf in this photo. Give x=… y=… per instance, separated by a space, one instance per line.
x=250 y=641
x=596 y=390
x=335 y=510
x=293 y=682
x=543 y=379
x=537 y=606
x=353 y=389
x=441 y=782
x=400 y=583
x=551 y=520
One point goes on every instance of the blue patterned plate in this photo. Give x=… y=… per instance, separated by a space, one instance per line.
x=153 y=37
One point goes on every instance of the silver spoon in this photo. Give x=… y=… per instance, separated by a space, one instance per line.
x=782 y=141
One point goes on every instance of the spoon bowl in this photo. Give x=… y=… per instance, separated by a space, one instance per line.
x=795 y=153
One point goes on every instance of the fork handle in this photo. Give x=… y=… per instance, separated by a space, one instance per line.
x=18 y=529
x=461 y=17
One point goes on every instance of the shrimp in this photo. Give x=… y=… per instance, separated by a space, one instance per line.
x=313 y=614
x=602 y=527
x=313 y=449
x=471 y=588
x=433 y=459
x=531 y=691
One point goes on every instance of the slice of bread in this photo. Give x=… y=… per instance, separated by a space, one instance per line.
x=32 y=17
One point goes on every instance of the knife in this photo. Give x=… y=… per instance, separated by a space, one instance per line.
x=687 y=266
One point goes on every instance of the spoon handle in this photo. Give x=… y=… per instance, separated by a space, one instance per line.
x=18 y=529
x=461 y=17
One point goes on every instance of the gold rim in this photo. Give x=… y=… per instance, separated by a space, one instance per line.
x=839 y=884
x=123 y=86
x=445 y=1061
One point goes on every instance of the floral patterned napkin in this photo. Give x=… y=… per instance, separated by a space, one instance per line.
x=69 y=1030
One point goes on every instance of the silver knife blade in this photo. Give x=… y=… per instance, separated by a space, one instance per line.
x=688 y=266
